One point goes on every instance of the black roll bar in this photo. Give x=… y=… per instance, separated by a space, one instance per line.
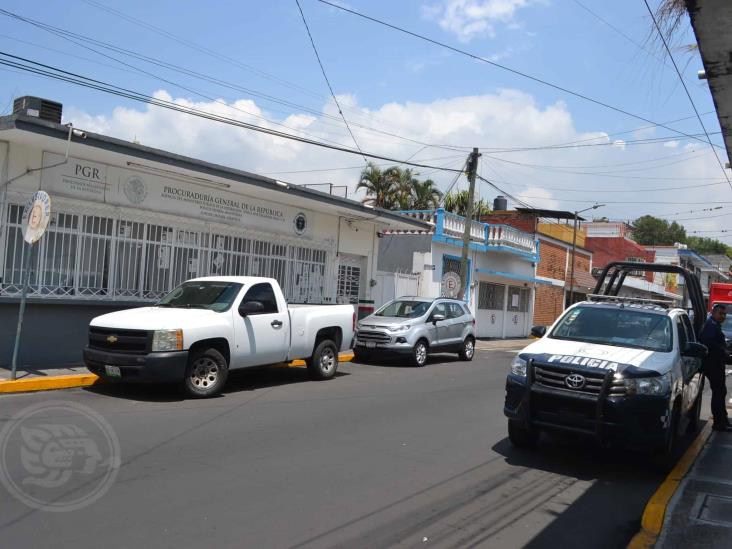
x=622 y=268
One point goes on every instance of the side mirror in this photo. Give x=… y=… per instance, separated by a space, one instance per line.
x=437 y=318
x=251 y=308
x=538 y=331
x=694 y=350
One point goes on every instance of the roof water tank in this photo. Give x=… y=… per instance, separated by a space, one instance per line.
x=500 y=203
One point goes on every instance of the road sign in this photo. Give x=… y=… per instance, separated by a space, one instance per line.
x=450 y=284
x=36 y=215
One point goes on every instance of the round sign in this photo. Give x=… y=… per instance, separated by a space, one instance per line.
x=450 y=284
x=300 y=224
x=36 y=215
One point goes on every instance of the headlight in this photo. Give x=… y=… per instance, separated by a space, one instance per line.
x=518 y=367
x=167 y=340
x=402 y=328
x=660 y=385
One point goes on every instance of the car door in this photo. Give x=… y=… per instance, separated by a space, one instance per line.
x=691 y=367
x=458 y=319
x=262 y=337
x=439 y=329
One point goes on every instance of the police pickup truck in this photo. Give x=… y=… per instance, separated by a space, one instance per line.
x=619 y=370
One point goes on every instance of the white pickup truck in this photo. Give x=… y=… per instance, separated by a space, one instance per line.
x=207 y=326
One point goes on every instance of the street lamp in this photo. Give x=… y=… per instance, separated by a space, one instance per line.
x=574 y=249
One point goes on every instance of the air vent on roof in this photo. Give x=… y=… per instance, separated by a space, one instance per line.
x=38 y=108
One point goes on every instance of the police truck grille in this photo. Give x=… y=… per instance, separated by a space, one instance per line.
x=119 y=341
x=555 y=378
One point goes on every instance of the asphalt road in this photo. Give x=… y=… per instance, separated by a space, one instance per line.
x=382 y=456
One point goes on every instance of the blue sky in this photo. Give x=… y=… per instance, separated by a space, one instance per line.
x=398 y=84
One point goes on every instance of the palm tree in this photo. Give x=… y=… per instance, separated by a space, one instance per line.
x=403 y=182
x=426 y=195
x=379 y=187
x=457 y=203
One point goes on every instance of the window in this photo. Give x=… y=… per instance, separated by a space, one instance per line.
x=491 y=296
x=683 y=337
x=440 y=309
x=213 y=295
x=349 y=281
x=689 y=328
x=265 y=294
x=454 y=310
x=403 y=309
x=637 y=260
x=612 y=326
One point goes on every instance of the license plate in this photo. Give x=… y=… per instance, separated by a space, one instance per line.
x=370 y=345
x=112 y=371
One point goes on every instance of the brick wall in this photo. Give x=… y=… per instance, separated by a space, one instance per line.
x=548 y=304
x=606 y=250
x=524 y=222
x=553 y=260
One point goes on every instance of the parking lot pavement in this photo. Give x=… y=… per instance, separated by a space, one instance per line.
x=385 y=455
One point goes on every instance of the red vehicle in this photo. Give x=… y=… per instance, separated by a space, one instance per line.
x=720 y=292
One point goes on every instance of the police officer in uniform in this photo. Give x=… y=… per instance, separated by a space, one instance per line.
x=713 y=365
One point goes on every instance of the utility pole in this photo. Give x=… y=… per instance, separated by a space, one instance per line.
x=574 y=250
x=472 y=171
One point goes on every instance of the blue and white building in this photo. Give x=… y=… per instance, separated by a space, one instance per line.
x=501 y=276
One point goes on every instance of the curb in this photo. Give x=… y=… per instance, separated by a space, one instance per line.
x=655 y=511
x=50 y=383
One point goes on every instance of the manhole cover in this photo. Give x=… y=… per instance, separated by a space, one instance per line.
x=712 y=509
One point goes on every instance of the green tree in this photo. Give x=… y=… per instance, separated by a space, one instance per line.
x=403 y=181
x=457 y=203
x=379 y=187
x=426 y=195
x=704 y=245
x=652 y=231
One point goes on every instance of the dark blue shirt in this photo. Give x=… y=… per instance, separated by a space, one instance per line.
x=713 y=337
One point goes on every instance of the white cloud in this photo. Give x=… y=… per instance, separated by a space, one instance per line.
x=469 y=18
x=671 y=144
x=506 y=119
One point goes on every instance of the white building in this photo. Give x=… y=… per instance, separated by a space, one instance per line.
x=130 y=222
x=501 y=268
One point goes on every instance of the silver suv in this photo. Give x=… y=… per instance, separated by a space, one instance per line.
x=416 y=327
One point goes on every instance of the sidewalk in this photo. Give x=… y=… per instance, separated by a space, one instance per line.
x=700 y=513
x=503 y=344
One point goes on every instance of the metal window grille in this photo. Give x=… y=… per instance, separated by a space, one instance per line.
x=88 y=254
x=491 y=296
x=349 y=282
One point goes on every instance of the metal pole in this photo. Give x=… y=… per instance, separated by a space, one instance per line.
x=574 y=251
x=472 y=170
x=23 y=295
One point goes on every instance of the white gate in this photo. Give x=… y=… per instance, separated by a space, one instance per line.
x=392 y=285
x=490 y=313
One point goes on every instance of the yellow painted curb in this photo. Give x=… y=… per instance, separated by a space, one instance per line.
x=655 y=510
x=343 y=357
x=47 y=383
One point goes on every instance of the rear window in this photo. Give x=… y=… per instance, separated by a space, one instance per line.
x=624 y=327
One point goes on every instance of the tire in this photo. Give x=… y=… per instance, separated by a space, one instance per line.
x=323 y=364
x=521 y=436
x=420 y=353
x=206 y=373
x=695 y=413
x=467 y=352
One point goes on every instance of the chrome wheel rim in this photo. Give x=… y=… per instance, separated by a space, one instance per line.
x=469 y=348
x=205 y=373
x=327 y=360
x=420 y=353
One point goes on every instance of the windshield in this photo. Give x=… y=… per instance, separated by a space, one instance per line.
x=619 y=327
x=404 y=309
x=212 y=295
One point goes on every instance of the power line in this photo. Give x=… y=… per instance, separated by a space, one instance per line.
x=322 y=69
x=500 y=66
x=691 y=100
x=636 y=201
x=84 y=81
